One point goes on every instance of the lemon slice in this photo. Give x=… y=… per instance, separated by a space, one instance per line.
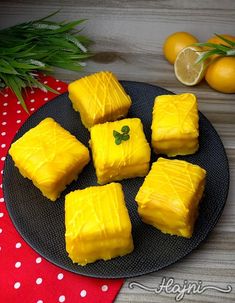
x=187 y=71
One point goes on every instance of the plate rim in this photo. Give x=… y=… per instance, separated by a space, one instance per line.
x=93 y=275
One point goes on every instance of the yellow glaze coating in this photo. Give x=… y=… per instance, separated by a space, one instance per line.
x=97 y=224
x=175 y=125
x=116 y=162
x=99 y=98
x=49 y=156
x=170 y=194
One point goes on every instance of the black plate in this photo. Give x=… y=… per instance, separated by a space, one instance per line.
x=41 y=222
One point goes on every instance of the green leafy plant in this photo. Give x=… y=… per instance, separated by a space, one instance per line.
x=38 y=46
x=124 y=136
x=216 y=49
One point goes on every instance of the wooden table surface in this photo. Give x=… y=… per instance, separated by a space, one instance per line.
x=128 y=38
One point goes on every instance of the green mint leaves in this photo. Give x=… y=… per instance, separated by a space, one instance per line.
x=124 y=136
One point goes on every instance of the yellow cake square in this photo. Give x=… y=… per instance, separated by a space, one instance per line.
x=128 y=159
x=49 y=156
x=99 y=98
x=175 y=127
x=97 y=224
x=170 y=195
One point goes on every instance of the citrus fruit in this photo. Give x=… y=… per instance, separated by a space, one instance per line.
x=220 y=74
x=175 y=43
x=217 y=40
x=187 y=71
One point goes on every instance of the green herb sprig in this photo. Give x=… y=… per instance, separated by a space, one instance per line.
x=38 y=46
x=216 y=49
x=124 y=136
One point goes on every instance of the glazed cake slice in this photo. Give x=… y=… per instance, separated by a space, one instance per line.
x=113 y=161
x=175 y=127
x=49 y=156
x=99 y=98
x=170 y=195
x=97 y=224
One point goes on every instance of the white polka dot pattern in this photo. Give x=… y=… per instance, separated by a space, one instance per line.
x=62 y=298
x=32 y=276
x=60 y=276
x=39 y=281
x=38 y=260
x=104 y=288
x=83 y=293
x=17 y=285
x=18 y=264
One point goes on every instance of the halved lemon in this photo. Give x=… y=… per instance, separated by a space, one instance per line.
x=187 y=71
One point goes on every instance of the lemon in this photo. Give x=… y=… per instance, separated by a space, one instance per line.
x=187 y=71
x=175 y=43
x=220 y=74
x=217 y=40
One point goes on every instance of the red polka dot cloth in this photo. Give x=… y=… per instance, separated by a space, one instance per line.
x=25 y=276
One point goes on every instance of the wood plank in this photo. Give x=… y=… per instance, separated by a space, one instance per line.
x=128 y=38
